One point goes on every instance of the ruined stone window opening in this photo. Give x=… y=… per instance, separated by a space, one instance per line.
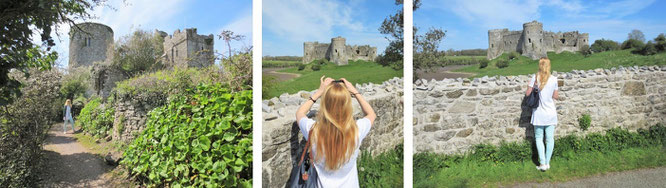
x=540 y=40
x=358 y=52
x=172 y=55
x=529 y=40
x=562 y=40
x=492 y=45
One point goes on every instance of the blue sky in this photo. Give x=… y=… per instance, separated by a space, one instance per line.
x=468 y=21
x=209 y=17
x=289 y=23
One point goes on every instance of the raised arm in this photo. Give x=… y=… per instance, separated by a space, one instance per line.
x=305 y=107
x=365 y=106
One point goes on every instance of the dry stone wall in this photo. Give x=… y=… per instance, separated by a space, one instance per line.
x=282 y=142
x=132 y=112
x=452 y=115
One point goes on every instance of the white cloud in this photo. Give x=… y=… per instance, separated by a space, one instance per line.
x=305 y=20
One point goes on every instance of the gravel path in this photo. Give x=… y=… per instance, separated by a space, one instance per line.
x=69 y=164
x=440 y=73
x=652 y=177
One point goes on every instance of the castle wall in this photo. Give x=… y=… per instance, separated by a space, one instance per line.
x=337 y=51
x=89 y=43
x=314 y=50
x=453 y=115
x=282 y=142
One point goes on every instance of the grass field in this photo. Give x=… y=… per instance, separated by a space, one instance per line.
x=355 y=72
x=567 y=61
x=489 y=174
x=275 y=64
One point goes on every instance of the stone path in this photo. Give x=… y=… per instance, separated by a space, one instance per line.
x=652 y=177
x=280 y=76
x=440 y=73
x=69 y=164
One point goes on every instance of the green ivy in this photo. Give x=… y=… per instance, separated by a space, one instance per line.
x=201 y=139
x=96 y=118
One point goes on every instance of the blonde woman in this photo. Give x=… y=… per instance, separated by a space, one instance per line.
x=336 y=136
x=544 y=117
x=68 y=116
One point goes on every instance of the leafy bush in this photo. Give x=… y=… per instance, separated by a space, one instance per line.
x=632 y=44
x=96 y=118
x=649 y=49
x=136 y=53
x=75 y=83
x=384 y=170
x=584 y=121
x=513 y=55
x=279 y=64
x=200 y=139
x=660 y=43
x=315 y=67
x=238 y=70
x=169 y=82
x=483 y=63
x=301 y=67
x=24 y=126
x=502 y=63
x=603 y=45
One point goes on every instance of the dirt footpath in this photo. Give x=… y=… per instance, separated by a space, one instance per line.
x=440 y=73
x=279 y=76
x=69 y=164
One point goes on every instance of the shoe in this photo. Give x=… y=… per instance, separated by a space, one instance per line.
x=547 y=167
x=540 y=168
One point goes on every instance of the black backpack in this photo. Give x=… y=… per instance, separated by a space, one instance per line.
x=304 y=174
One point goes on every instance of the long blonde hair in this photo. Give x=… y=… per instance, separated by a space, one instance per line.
x=335 y=131
x=68 y=102
x=544 y=72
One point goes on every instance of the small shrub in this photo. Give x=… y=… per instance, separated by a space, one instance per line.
x=584 y=121
x=301 y=67
x=585 y=50
x=315 y=67
x=96 y=118
x=660 y=43
x=502 y=63
x=483 y=63
x=513 y=55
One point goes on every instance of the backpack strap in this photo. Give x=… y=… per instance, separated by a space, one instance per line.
x=307 y=148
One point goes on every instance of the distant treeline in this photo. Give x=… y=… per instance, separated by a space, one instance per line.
x=468 y=52
x=282 y=58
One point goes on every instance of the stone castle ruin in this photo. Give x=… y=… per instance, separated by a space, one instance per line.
x=337 y=51
x=91 y=45
x=188 y=49
x=533 y=42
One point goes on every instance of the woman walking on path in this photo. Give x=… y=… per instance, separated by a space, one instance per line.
x=68 y=116
x=336 y=136
x=544 y=117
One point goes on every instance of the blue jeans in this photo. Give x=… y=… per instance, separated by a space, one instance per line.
x=544 y=156
x=64 y=125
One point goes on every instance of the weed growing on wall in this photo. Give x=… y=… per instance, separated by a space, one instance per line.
x=202 y=138
x=584 y=121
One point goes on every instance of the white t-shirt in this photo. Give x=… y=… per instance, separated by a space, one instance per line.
x=347 y=175
x=545 y=114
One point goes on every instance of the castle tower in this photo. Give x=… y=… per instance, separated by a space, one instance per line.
x=308 y=52
x=533 y=40
x=495 y=44
x=89 y=42
x=189 y=49
x=337 y=53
